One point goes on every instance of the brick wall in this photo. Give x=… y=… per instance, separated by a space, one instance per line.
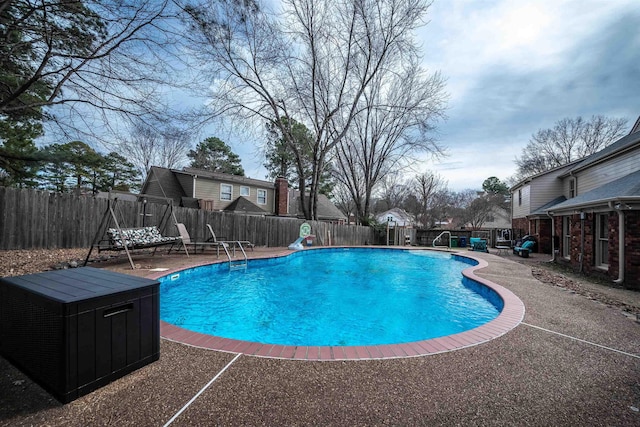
x=631 y=239
x=557 y=221
x=588 y=263
x=539 y=228
x=575 y=241
x=632 y=250
x=614 y=238
x=544 y=236
x=520 y=227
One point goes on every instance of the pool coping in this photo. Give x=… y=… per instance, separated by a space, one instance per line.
x=511 y=316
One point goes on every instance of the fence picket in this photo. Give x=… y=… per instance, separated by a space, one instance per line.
x=33 y=219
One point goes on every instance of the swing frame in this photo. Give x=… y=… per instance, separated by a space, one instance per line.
x=102 y=241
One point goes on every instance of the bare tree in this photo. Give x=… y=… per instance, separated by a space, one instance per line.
x=343 y=201
x=311 y=66
x=398 y=112
x=149 y=146
x=569 y=140
x=392 y=192
x=84 y=63
x=176 y=143
x=482 y=209
x=425 y=188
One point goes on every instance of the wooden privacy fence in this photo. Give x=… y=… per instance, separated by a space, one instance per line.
x=31 y=219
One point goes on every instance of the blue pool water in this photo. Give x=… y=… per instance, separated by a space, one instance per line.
x=330 y=297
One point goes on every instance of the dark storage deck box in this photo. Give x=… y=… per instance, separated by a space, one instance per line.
x=73 y=331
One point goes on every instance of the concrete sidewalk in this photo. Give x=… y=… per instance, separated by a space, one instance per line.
x=573 y=361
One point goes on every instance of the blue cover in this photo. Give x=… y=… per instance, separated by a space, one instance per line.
x=528 y=244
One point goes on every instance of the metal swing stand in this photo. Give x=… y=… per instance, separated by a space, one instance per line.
x=103 y=242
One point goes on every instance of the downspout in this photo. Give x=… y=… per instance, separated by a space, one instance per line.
x=553 y=235
x=620 y=278
x=195 y=177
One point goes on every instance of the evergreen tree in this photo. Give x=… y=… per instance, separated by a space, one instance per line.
x=215 y=155
x=292 y=159
x=493 y=185
x=117 y=173
x=70 y=166
x=20 y=159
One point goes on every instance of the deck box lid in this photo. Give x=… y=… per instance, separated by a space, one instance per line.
x=78 y=284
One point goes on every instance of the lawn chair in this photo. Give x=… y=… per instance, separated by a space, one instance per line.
x=478 y=245
x=524 y=250
x=186 y=239
x=214 y=239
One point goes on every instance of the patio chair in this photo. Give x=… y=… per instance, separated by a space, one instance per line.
x=524 y=250
x=214 y=239
x=478 y=245
x=186 y=239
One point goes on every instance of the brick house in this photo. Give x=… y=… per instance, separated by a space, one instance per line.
x=587 y=214
x=529 y=199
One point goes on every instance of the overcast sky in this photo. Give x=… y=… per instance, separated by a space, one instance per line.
x=516 y=66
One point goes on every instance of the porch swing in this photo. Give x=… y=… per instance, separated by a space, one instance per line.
x=110 y=236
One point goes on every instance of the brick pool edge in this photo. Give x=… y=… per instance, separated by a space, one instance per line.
x=511 y=316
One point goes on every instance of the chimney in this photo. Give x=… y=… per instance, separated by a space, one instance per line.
x=282 y=196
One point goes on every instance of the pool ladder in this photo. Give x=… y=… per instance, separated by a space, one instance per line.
x=234 y=264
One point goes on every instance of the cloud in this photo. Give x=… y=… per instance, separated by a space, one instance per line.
x=516 y=67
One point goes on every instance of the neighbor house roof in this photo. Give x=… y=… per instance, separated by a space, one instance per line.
x=219 y=176
x=326 y=209
x=397 y=213
x=163 y=182
x=243 y=206
x=625 y=189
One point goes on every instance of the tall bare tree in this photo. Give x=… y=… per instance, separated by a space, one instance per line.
x=311 y=64
x=157 y=145
x=398 y=111
x=391 y=193
x=426 y=187
x=569 y=140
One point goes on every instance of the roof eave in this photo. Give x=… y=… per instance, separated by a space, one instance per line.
x=631 y=202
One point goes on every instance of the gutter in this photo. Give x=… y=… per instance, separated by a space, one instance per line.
x=589 y=205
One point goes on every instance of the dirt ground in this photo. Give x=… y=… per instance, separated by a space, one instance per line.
x=574 y=360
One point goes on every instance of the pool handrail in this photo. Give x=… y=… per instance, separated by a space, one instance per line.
x=235 y=264
x=433 y=243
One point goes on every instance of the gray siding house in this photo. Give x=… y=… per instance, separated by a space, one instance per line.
x=587 y=214
x=215 y=191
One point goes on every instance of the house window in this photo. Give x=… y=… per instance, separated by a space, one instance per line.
x=566 y=237
x=226 y=191
x=602 y=241
x=519 y=197
x=244 y=191
x=262 y=197
x=572 y=188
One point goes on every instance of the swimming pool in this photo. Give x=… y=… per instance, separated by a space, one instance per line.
x=331 y=297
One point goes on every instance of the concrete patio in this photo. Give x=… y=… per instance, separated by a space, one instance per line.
x=572 y=361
